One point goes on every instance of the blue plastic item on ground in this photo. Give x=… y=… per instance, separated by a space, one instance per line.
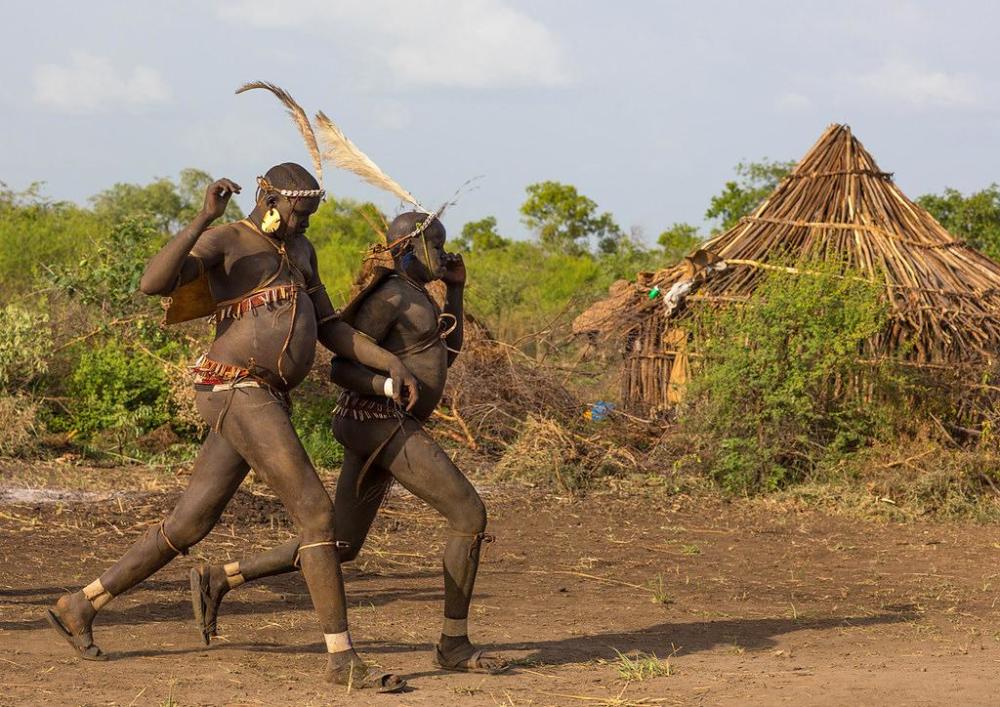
x=600 y=410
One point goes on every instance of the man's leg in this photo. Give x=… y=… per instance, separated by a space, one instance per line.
x=353 y=517
x=424 y=469
x=218 y=472
x=261 y=429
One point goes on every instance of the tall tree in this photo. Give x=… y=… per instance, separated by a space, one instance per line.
x=480 y=235
x=974 y=218
x=754 y=182
x=678 y=240
x=565 y=220
x=169 y=206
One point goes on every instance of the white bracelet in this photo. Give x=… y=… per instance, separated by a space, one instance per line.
x=387 y=387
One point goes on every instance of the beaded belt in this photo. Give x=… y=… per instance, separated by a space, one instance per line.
x=353 y=406
x=271 y=295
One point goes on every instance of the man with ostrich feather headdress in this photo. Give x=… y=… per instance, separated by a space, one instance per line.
x=259 y=278
x=383 y=441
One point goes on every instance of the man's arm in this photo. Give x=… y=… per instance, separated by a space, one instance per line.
x=174 y=265
x=351 y=346
x=454 y=303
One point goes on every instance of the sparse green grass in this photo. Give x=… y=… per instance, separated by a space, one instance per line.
x=658 y=589
x=468 y=691
x=641 y=666
x=690 y=550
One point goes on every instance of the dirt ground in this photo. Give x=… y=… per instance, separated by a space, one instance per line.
x=742 y=603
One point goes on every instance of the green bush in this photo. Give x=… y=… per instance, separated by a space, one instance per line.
x=113 y=388
x=108 y=276
x=25 y=346
x=311 y=416
x=521 y=288
x=780 y=385
x=341 y=233
x=36 y=234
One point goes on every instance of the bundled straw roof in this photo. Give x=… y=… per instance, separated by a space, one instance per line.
x=838 y=206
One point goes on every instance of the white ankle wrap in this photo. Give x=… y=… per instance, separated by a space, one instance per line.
x=338 y=642
x=96 y=594
x=234 y=577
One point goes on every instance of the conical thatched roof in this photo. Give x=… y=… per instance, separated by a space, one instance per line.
x=837 y=205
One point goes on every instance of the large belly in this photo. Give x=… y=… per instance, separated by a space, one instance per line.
x=261 y=337
x=430 y=368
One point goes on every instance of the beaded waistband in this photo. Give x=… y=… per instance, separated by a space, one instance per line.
x=352 y=406
x=270 y=295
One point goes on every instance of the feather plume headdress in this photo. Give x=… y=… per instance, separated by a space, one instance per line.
x=301 y=121
x=343 y=153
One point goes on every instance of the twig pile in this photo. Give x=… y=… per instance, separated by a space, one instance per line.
x=549 y=452
x=493 y=388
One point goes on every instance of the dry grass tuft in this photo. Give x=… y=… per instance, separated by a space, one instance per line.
x=21 y=426
x=548 y=452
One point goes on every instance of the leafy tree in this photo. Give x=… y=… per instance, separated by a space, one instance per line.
x=754 y=182
x=108 y=276
x=565 y=220
x=36 y=233
x=158 y=200
x=479 y=236
x=678 y=240
x=191 y=189
x=974 y=218
x=341 y=230
x=169 y=206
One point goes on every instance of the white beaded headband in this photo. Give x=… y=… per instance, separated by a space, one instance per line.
x=266 y=186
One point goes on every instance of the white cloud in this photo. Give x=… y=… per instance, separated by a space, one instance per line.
x=900 y=81
x=471 y=44
x=792 y=102
x=91 y=84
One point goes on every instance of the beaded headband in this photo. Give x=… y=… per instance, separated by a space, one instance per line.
x=266 y=186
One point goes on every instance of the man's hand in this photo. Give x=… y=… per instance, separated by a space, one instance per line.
x=217 y=197
x=454 y=269
x=402 y=378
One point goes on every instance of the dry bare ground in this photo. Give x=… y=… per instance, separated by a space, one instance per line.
x=743 y=603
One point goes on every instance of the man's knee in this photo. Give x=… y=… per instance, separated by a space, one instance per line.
x=470 y=515
x=314 y=520
x=182 y=532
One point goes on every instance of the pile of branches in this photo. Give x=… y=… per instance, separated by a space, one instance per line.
x=493 y=388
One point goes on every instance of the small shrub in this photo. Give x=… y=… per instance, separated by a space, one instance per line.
x=781 y=385
x=311 y=417
x=113 y=388
x=25 y=346
x=21 y=426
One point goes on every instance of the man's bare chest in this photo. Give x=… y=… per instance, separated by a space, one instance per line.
x=250 y=265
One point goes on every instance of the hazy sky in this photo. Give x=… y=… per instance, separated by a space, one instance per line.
x=643 y=106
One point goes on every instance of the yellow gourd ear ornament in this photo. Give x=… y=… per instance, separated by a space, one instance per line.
x=271 y=221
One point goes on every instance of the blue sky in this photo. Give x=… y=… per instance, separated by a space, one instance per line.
x=644 y=106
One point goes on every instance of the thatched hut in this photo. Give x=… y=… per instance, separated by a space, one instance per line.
x=835 y=206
